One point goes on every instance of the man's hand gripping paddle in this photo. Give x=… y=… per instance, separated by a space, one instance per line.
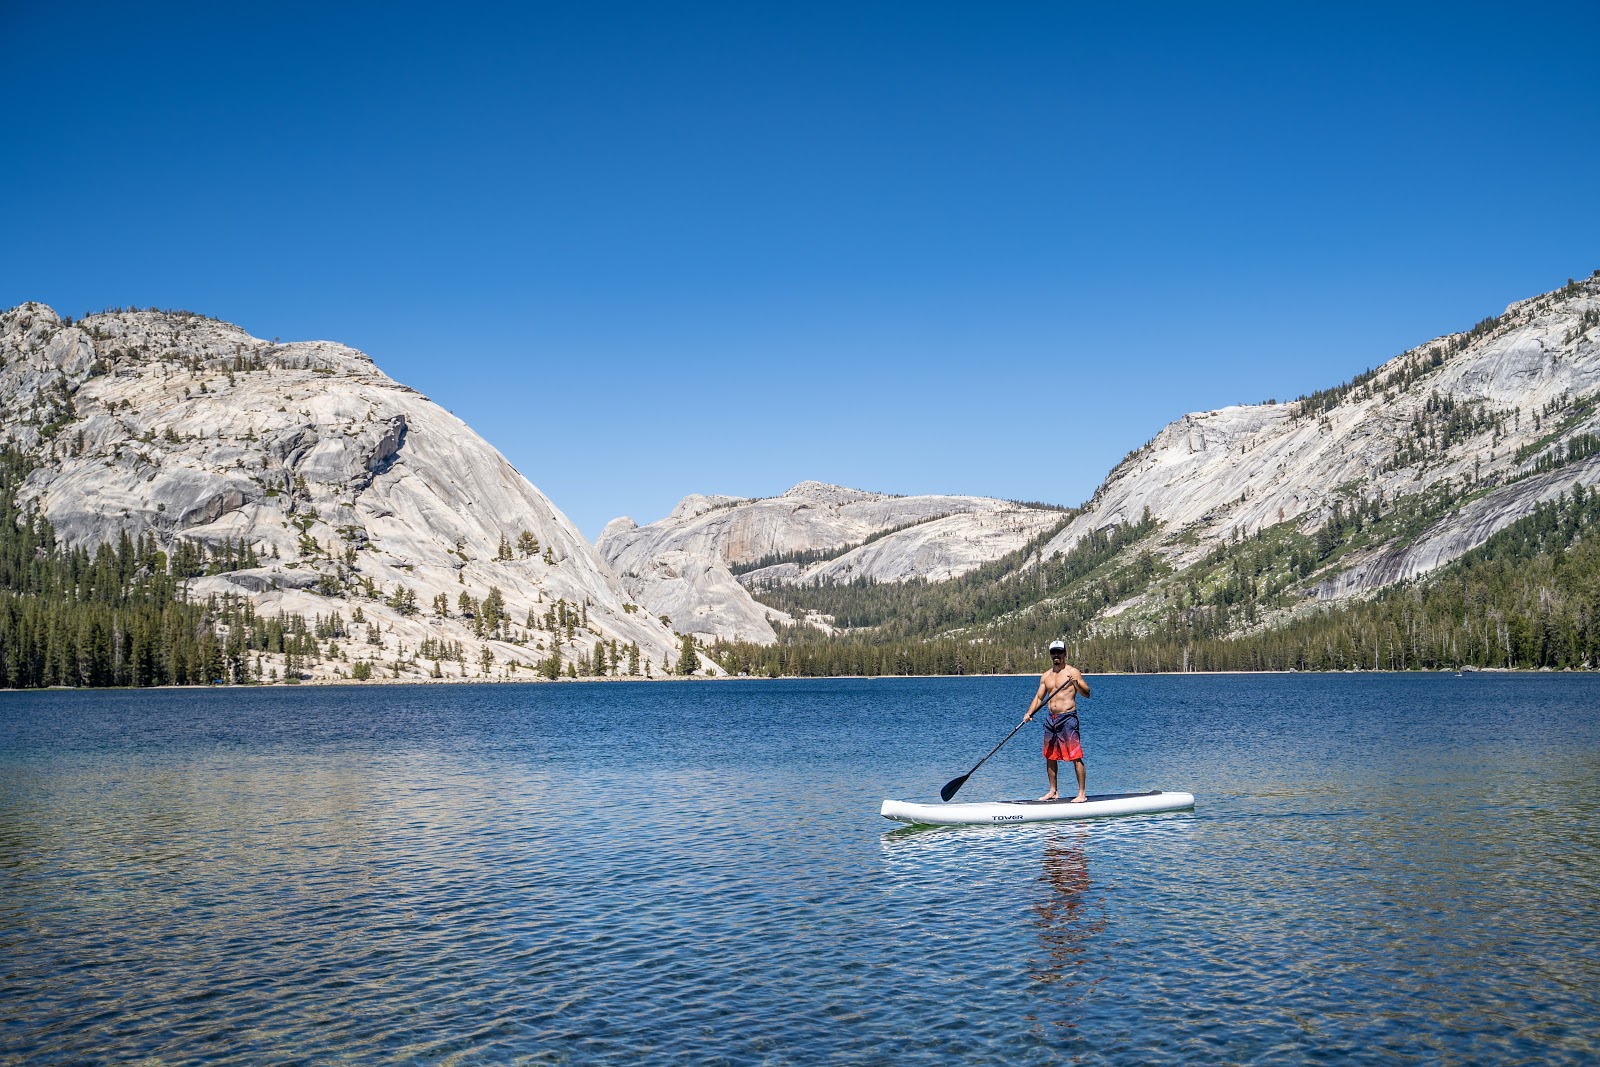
x=953 y=786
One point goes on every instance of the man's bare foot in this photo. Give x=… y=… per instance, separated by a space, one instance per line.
x=1052 y=795
x=1079 y=799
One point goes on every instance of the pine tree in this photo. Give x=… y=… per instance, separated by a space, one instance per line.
x=688 y=661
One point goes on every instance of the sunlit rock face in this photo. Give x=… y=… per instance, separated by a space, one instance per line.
x=339 y=480
x=1515 y=389
x=862 y=535
x=1483 y=412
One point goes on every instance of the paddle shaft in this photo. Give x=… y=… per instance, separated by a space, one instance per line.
x=985 y=759
x=952 y=786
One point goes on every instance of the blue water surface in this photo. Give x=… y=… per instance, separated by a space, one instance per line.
x=1379 y=869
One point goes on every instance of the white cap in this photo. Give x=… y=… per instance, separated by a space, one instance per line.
x=1058 y=646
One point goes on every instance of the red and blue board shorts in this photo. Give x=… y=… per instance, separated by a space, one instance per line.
x=1061 y=736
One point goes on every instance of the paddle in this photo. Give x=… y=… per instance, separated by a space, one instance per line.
x=953 y=786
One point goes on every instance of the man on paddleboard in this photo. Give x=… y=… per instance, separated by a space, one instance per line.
x=1059 y=688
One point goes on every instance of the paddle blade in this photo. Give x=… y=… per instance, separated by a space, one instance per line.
x=953 y=786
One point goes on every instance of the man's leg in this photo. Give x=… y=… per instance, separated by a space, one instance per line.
x=1050 y=773
x=1077 y=765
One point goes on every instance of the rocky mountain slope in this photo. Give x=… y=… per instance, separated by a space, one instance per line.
x=1491 y=421
x=697 y=565
x=1336 y=494
x=302 y=477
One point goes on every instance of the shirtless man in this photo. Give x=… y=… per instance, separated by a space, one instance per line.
x=1060 y=685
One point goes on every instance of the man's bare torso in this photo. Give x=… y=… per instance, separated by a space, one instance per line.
x=1065 y=680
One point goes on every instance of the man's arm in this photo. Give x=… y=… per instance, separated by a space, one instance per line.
x=1080 y=681
x=1033 y=706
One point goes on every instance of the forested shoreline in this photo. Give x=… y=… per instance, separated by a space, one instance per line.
x=1526 y=599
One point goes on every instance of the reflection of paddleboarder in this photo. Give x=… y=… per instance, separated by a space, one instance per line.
x=1066 y=873
x=1060 y=686
x=1068 y=921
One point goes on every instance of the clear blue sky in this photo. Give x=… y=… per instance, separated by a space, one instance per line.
x=660 y=248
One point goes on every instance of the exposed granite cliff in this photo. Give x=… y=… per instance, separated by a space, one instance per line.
x=1483 y=409
x=1470 y=431
x=345 y=483
x=342 y=481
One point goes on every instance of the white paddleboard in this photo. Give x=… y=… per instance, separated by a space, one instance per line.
x=1010 y=811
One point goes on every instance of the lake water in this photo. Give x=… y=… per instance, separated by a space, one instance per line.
x=1380 y=868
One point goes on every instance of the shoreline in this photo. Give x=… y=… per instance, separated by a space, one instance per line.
x=377 y=682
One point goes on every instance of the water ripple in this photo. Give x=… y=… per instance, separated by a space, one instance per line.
x=475 y=876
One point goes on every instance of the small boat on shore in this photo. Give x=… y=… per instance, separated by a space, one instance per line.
x=1018 y=811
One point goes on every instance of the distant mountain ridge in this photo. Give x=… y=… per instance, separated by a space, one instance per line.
x=1382 y=479
x=346 y=490
x=682 y=566
x=301 y=478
